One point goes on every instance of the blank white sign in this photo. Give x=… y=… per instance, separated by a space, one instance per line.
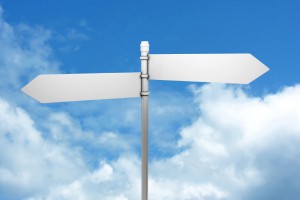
x=219 y=68
x=78 y=87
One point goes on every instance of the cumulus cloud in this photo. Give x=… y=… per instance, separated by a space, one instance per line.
x=56 y=163
x=233 y=155
x=29 y=163
x=239 y=145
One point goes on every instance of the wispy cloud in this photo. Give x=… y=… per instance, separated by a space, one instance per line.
x=74 y=34
x=72 y=38
x=24 y=53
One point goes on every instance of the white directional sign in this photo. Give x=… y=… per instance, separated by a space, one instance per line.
x=78 y=87
x=219 y=68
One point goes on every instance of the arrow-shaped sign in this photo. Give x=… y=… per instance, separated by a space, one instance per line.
x=219 y=68
x=79 y=87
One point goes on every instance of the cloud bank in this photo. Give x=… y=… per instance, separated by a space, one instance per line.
x=238 y=146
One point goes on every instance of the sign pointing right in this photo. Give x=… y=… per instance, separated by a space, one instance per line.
x=218 y=68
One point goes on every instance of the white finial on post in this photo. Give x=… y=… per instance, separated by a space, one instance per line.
x=145 y=47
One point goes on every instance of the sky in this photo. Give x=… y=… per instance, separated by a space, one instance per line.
x=206 y=141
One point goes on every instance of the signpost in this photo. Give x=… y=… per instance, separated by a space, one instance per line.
x=220 y=68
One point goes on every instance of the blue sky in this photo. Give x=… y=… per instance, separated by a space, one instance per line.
x=207 y=141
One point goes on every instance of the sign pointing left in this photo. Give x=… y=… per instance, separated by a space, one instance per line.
x=79 y=87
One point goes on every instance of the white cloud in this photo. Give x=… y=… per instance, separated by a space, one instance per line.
x=73 y=34
x=37 y=167
x=235 y=140
x=20 y=43
x=118 y=180
x=30 y=163
x=233 y=150
x=24 y=54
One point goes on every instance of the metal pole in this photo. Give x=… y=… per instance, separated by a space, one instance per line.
x=144 y=95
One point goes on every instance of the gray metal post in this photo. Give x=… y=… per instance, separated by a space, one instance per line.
x=144 y=95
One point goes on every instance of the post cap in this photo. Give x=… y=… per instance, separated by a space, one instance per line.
x=145 y=46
